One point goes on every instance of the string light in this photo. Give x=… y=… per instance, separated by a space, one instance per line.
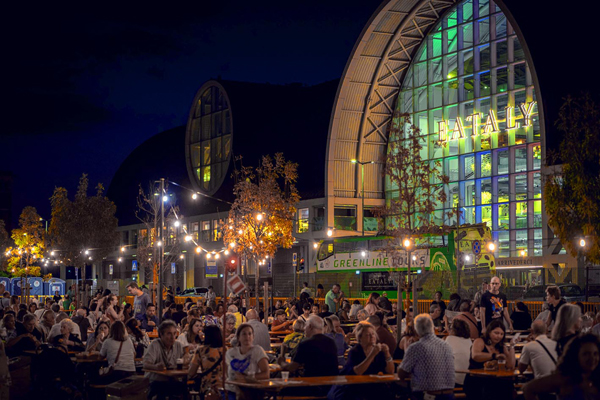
x=194 y=196
x=198 y=249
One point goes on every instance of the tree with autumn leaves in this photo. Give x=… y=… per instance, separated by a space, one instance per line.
x=261 y=218
x=572 y=196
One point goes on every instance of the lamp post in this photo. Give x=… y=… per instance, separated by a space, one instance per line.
x=582 y=244
x=362 y=179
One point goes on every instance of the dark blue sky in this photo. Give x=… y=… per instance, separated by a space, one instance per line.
x=86 y=87
x=83 y=87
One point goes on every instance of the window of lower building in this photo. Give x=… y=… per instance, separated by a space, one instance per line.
x=345 y=218
x=303 y=219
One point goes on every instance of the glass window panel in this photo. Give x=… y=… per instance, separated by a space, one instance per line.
x=484 y=30
x=520 y=242
x=408 y=79
x=217 y=151
x=520 y=159
x=501 y=52
x=424 y=153
x=467 y=35
x=520 y=187
x=501 y=80
x=421 y=99
x=485 y=186
x=518 y=53
x=452 y=39
x=537 y=214
x=502 y=161
x=435 y=95
x=466 y=58
x=484 y=8
x=435 y=116
x=206 y=127
x=537 y=156
x=537 y=242
x=520 y=76
x=486 y=215
x=452 y=18
x=500 y=25
x=468 y=215
x=196 y=155
x=206 y=152
x=485 y=162
x=503 y=239
x=468 y=192
x=436 y=150
x=537 y=185
x=521 y=215
x=226 y=146
x=484 y=57
x=435 y=70
x=406 y=101
x=420 y=121
x=451 y=91
x=468 y=167
x=422 y=53
x=451 y=66
x=467 y=88
x=503 y=222
x=451 y=168
x=453 y=195
x=436 y=42
x=420 y=71
x=485 y=83
x=467 y=11
x=206 y=176
x=503 y=186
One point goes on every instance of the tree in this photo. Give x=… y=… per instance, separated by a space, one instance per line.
x=417 y=186
x=149 y=214
x=261 y=218
x=573 y=195
x=29 y=245
x=4 y=244
x=84 y=229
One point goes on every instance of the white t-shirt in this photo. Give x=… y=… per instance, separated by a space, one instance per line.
x=461 y=349
x=246 y=364
x=534 y=354
x=110 y=348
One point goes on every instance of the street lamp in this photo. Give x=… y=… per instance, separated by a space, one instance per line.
x=582 y=245
x=362 y=179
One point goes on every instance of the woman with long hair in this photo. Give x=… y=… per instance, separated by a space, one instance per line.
x=220 y=311
x=108 y=308
x=208 y=356
x=191 y=337
x=408 y=337
x=568 y=323
x=119 y=353
x=245 y=360
x=140 y=339
x=577 y=374
x=95 y=340
x=208 y=318
x=372 y=303
x=490 y=347
x=520 y=317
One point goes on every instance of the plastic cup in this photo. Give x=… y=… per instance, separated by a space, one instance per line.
x=285 y=375
x=180 y=363
x=501 y=365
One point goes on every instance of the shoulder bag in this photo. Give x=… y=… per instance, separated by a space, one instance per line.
x=106 y=371
x=547 y=351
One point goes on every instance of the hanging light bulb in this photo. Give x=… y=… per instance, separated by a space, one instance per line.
x=194 y=196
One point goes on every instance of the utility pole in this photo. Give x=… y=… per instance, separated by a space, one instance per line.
x=160 y=248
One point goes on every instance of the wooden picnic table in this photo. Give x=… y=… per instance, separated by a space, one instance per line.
x=280 y=333
x=171 y=373
x=507 y=373
x=276 y=385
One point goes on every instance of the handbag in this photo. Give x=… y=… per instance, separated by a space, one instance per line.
x=107 y=371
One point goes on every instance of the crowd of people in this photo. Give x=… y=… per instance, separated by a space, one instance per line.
x=562 y=346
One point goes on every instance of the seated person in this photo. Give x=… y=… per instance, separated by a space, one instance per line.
x=28 y=337
x=435 y=311
x=67 y=337
x=280 y=323
x=325 y=312
x=82 y=321
x=292 y=340
x=96 y=339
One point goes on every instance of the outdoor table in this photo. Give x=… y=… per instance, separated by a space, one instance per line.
x=276 y=385
x=171 y=373
x=276 y=345
x=509 y=373
x=280 y=333
x=153 y=334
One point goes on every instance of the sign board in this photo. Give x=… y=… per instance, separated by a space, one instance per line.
x=379 y=281
x=294 y=260
x=173 y=268
x=110 y=269
x=134 y=265
x=375 y=260
x=236 y=285
x=113 y=286
x=211 y=269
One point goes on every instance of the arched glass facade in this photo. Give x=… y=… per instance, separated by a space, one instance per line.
x=210 y=139
x=469 y=90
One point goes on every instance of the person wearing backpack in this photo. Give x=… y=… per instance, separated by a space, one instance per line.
x=540 y=353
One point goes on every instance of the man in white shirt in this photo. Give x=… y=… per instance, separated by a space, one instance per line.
x=540 y=353
x=261 y=332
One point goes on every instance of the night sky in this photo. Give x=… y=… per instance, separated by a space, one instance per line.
x=84 y=87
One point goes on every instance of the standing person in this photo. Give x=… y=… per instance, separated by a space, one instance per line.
x=577 y=374
x=163 y=353
x=479 y=294
x=332 y=298
x=320 y=291
x=140 y=301
x=245 y=360
x=567 y=325
x=211 y=296
x=305 y=289
x=494 y=306
x=119 y=353
x=430 y=363
x=540 y=353
x=555 y=301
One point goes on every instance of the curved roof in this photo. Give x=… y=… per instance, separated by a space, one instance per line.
x=367 y=95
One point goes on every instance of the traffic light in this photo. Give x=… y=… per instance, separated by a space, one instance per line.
x=232 y=264
x=301 y=265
